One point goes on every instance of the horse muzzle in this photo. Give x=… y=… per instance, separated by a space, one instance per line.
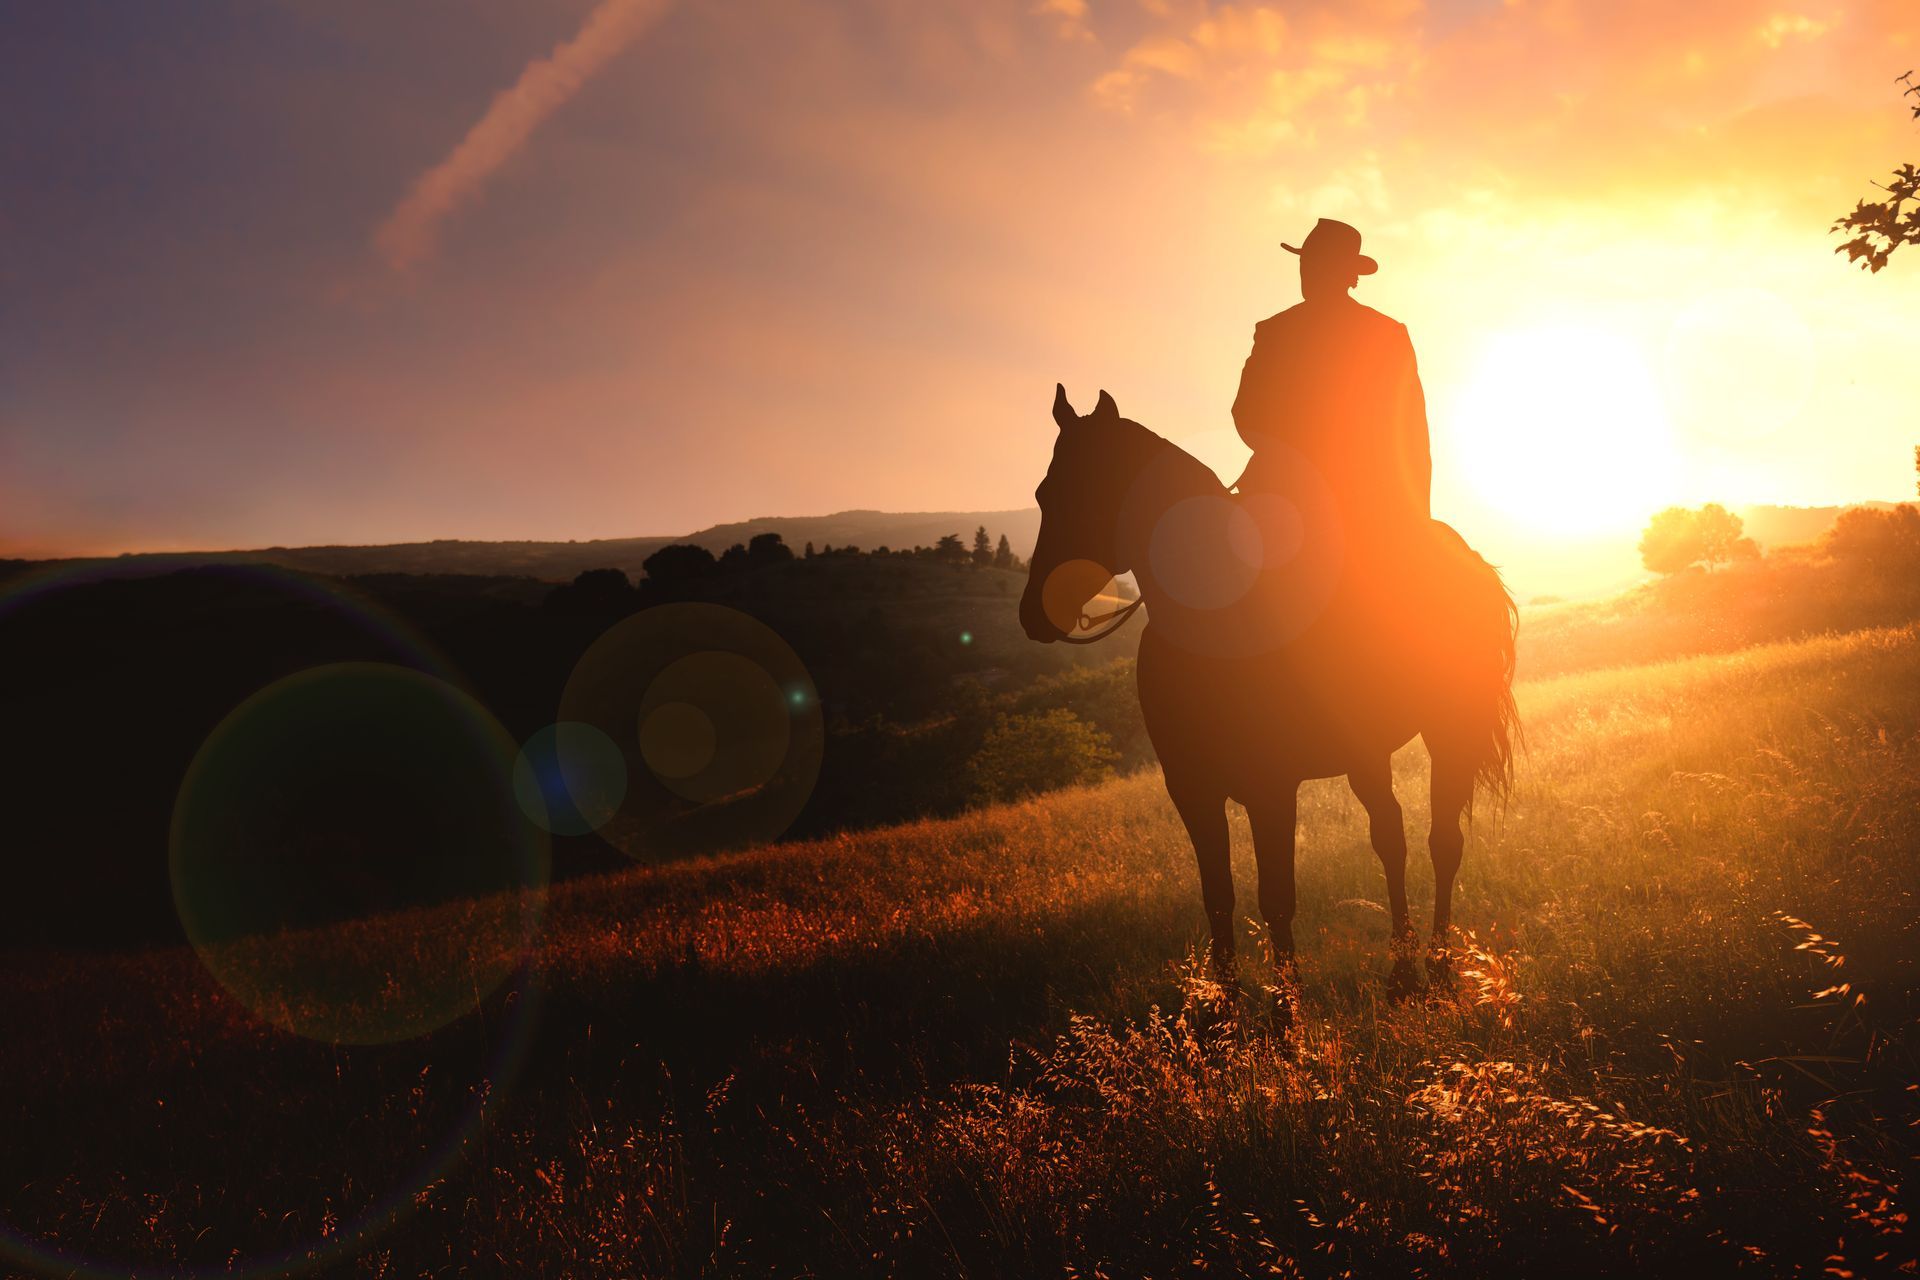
x=1034 y=620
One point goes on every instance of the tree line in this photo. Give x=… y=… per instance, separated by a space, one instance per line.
x=948 y=549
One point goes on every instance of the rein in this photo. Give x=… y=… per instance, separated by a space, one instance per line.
x=1118 y=617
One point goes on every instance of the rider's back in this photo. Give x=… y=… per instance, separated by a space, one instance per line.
x=1334 y=382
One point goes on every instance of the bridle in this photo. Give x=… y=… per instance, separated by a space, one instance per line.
x=1117 y=617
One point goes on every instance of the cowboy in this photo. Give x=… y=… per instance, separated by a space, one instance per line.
x=1334 y=382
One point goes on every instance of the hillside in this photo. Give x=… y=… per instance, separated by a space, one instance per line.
x=562 y=561
x=1539 y=569
x=1789 y=593
x=970 y=1046
x=112 y=672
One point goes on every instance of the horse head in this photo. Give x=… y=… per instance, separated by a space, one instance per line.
x=1079 y=548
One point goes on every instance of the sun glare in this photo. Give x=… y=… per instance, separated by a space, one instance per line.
x=1563 y=429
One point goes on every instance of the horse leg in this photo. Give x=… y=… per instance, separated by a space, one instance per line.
x=1274 y=817
x=1452 y=791
x=1205 y=814
x=1372 y=784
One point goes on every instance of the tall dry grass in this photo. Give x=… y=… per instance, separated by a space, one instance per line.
x=1683 y=1039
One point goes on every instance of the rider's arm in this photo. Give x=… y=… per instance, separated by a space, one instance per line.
x=1416 y=448
x=1258 y=404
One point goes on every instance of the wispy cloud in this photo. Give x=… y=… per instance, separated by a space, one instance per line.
x=411 y=231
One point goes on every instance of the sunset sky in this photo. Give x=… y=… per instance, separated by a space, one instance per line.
x=345 y=271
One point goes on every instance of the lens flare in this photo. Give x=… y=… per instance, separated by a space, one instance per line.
x=570 y=779
x=703 y=692
x=241 y=627
x=1250 y=573
x=348 y=858
x=1206 y=552
x=677 y=740
x=716 y=718
x=1069 y=588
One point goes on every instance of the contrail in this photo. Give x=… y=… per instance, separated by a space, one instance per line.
x=407 y=236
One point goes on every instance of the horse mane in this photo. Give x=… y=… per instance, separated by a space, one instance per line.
x=1139 y=445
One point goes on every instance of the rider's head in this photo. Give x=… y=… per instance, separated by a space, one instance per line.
x=1326 y=277
x=1330 y=260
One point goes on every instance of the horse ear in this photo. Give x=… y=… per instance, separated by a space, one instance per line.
x=1106 y=408
x=1063 y=414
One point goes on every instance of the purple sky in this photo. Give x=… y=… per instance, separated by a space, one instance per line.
x=791 y=257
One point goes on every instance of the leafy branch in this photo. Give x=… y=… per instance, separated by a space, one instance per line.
x=1879 y=227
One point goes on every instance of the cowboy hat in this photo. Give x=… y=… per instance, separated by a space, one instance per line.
x=1330 y=239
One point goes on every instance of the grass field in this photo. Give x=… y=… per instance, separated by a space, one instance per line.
x=1684 y=1042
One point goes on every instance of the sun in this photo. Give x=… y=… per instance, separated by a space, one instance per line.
x=1562 y=429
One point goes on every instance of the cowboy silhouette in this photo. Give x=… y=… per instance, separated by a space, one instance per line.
x=1350 y=624
x=1335 y=383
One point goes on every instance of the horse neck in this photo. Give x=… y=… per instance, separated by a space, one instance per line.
x=1160 y=475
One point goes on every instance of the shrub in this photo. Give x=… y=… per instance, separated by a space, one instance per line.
x=1022 y=755
x=1103 y=697
x=1885 y=540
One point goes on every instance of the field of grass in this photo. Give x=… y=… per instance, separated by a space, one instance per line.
x=1683 y=1042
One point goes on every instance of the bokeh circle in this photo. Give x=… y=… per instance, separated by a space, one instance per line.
x=348 y=857
x=148 y=644
x=718 y=721
x=569 y=778
x=1251 y=573
x=1205 y=551
x=1070 y=589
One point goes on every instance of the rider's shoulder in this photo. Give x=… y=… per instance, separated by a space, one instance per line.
x=1378 y=318
x=1304 y=316
x=1281 y=321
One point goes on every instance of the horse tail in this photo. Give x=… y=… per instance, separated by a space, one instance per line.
x=1488 y=720
x=1499 y=715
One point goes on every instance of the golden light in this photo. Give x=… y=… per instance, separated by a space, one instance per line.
x=1738 y=365
x=1562 y=428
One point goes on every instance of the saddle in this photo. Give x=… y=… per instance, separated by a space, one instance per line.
x=1358 y=621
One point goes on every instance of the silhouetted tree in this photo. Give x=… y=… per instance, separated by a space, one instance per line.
x=1720 y=536
x=1671 y=541
x=1878 y=226
x=734 y=558
x=596 y=591
x=950 y=548
x=1003 y=554
x=809 y=551
x=676 y=572
x=982 y=547
x=1677 y=539
x=768 y=548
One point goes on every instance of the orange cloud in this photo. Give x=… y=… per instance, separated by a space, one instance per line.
x=411 y=231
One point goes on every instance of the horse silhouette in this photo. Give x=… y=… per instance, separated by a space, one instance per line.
x=1266 y=661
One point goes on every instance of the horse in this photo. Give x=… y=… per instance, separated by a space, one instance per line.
x=1254 y=675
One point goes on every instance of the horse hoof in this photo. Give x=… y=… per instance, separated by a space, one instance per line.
x=1223 y=965
x=1403 y=983
x=1281 y=1007
x=1439 y=974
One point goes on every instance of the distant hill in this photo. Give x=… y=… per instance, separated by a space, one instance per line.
x=1775 y=526
x=561 y=561
x=1769 y=525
